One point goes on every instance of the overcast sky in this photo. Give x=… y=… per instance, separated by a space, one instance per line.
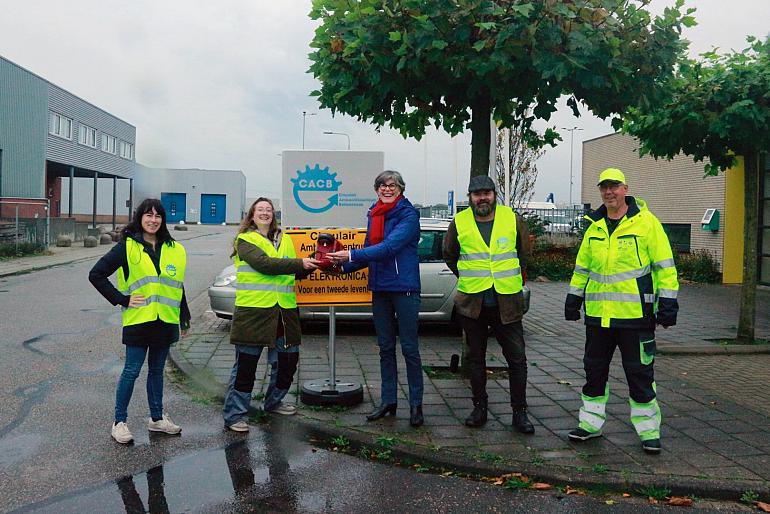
x=222 y=85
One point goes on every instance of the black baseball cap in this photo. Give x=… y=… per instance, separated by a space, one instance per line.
x=481 y=183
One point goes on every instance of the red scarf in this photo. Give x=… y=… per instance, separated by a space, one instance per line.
x=377 y=215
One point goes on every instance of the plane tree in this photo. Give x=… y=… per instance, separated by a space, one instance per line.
x=456 y=64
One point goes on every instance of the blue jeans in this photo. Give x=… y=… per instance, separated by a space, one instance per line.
x=134 y=359
x=273 y=395
x=398 y=311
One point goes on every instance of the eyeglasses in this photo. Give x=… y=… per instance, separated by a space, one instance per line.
x=389 y=186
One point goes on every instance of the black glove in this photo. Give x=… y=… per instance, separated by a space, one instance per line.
x=572 y=307
x=667 y=311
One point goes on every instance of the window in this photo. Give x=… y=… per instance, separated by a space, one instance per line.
x=429 y=246
x=126 y=150
x=87 y=136
x=109 y=144
x=679 y=235
x=61 y=126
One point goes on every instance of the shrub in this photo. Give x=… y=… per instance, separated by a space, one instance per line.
x=698 y=266
x=553 y=262
x=10 y=250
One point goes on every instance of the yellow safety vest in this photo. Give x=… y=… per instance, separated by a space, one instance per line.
x=255 y=289
x=622 y=275
x=163 y=293
x=480 y=266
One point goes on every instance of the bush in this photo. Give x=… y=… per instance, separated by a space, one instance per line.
x=698 y=266
x=10 y=250
x=553 y=262
x=535 y=224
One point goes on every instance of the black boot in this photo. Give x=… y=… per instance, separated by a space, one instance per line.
x=478 y=417
x=521 y=421
x=381 y=411
x=415 y=416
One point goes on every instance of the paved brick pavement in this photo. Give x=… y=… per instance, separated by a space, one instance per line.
x=716 y=408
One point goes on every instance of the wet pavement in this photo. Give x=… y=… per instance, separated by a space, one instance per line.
x=715 y=399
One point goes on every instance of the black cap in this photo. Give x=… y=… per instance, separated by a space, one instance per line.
x=481 y=183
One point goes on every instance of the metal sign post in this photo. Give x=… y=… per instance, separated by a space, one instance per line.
x=331 y=290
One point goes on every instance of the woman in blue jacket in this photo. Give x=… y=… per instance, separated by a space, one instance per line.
x=390 y=252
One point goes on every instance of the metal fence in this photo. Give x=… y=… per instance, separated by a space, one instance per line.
x=25 y=221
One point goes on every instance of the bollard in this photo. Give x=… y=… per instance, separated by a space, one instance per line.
x=90 y=242
x=64 y=241
x=105 y=239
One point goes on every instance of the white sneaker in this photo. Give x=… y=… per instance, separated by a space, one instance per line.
x=284 y=408
x=164 y=425
x=240 y=426
x=121 y=433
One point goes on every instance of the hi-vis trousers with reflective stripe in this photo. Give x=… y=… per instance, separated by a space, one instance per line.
x=637 y=349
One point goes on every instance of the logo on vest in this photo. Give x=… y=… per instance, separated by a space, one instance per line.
x=503 y=242
x=171 y=270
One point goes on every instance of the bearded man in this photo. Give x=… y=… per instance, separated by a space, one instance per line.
x=485 y=247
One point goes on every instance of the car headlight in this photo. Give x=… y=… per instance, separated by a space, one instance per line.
x=224 y=280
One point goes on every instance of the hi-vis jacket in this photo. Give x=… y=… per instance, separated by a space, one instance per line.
x=255 y=289
x=163 y=292
x=627 y=279
x=480 y=266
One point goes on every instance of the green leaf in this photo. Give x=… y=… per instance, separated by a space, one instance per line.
x=523 y=9
x=689 y=21
x=479 y=45
x=440 y=44
x=394 y=36
x=488 y=25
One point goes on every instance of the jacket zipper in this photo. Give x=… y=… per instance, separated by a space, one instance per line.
x=396 y=261
x=636 y=244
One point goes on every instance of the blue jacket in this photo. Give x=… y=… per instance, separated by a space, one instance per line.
x=393 y=263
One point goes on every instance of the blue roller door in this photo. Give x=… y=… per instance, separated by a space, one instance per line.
x=175 y=205
x=213 y=208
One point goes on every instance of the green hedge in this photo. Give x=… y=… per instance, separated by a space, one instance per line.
x=11 y=250
x=698 y=266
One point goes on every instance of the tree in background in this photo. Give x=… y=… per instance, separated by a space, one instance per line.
x=716 y=109
x=521 y=163
x=456 y=64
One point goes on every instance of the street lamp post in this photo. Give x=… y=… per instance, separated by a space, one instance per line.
x=571 y=146
x=304 y=115
x=327 y=132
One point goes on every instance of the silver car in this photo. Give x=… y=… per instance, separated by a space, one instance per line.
x=439 y=285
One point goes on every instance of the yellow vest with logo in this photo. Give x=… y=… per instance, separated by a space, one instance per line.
x=482 y=266
x=255 y=289
x=163 y=293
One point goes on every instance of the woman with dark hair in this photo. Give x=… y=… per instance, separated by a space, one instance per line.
x=151 y=269
x=390 y=252
x=265 y=315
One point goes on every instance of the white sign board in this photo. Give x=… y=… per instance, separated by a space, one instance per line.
x=328 y=189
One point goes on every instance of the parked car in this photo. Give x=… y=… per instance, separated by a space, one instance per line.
x=439 y=285
x=558 y=224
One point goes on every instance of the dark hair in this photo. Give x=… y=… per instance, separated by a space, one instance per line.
x=248 y=224
x=135 y=227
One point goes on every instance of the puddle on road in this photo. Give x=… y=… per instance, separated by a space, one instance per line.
x=18 y=447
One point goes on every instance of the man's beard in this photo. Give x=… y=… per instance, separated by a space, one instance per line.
x=484 y=209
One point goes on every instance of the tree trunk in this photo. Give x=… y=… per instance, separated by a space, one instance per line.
x=481 y=136
x=747 y=315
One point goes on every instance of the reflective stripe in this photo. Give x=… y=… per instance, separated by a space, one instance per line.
x=591 y=419
x=618 y=297
x=646 y=425
x=141 y=282
x=481 y=256
x=475 y=273
x=619 y=277
x=245 y=268
x=170 y=282
x=504 y=256
x=577 y=291
x=648 y=412
x=665 y=263
x=239 y=286
x=582 y=270
x=667 y=293
x=284 y=289
x=508 y=273
x=595 y=407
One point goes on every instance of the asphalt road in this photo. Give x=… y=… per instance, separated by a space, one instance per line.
x=61 y=359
